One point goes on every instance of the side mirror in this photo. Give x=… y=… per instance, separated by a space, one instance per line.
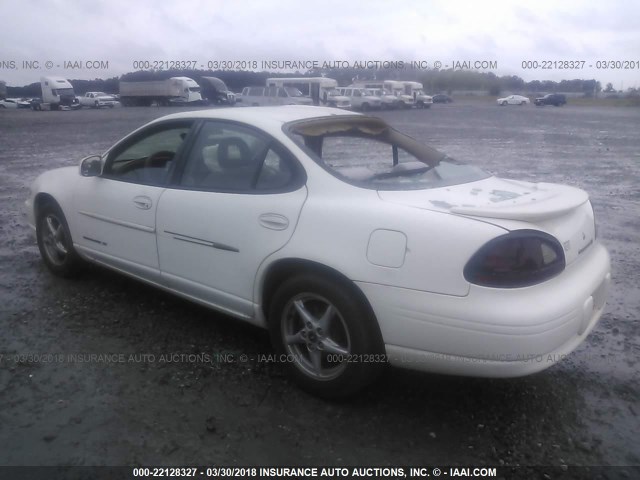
x=91 y=166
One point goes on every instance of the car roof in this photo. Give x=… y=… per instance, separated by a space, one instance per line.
x=260 y=115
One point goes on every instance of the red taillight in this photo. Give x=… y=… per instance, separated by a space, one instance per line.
x=517 y=259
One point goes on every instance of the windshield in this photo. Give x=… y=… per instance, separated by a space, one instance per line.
x=63 y=91
x=216 y=83
x=194 y=89
x=293 y=92
x=334 y=93
x=367 y=153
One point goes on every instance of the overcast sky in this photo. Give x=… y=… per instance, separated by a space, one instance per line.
x=122 y=31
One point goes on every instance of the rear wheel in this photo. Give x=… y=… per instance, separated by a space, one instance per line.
x=54 y=242
x=328 y=338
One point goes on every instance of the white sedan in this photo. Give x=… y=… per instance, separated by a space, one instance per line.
x=355 y=245
x=513 y=100
x=14 y=103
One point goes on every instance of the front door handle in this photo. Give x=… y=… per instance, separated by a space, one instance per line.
x=143 y=202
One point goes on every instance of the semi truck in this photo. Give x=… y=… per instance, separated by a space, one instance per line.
x=216 y=92
x=172 y=91
x=57 y=94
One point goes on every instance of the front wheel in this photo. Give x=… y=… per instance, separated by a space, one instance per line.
x=54 y=242
x=327 y=337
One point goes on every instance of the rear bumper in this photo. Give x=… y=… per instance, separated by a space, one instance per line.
x=493 y=332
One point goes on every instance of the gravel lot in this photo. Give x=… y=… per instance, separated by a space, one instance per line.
x=163 y=407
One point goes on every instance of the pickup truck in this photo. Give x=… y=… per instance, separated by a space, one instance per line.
x=97 y=100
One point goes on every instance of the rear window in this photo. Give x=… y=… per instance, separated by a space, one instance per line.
x=365 y=152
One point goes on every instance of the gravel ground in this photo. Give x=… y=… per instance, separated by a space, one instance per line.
x=162 y=406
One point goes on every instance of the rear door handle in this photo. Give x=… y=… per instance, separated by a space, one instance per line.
x=274 y=221
x=142 y=202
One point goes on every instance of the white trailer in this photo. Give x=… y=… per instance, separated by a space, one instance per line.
x=172 y=91
x=57 y=94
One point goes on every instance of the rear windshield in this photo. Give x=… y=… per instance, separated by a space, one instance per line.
x=366 y=152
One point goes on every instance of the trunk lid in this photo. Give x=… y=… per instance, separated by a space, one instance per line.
x=562 y=211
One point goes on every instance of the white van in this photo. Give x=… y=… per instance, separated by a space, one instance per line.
x=360 y=98
x=393 y=87
x=267 y=96
x=388 y=101
x=321 y=90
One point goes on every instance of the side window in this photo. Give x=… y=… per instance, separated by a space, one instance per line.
x=148 y=159
x=282 y=92
x=275 y=172
x=231 y=158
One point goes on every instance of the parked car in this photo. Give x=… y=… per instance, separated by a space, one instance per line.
x=15 y=103
x=442 y=98
x=555 y=99
x=97 y=100
x=353 y=244
x=513 y=100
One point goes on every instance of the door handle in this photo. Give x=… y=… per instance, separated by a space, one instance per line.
x=273 y=221
x=142 y=202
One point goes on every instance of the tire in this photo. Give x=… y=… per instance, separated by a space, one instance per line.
x=54 y=242
x=316 y=346
x=365 y=107
x=504 y=104
x=522 y=104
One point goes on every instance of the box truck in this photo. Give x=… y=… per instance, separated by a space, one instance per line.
x=172 y=91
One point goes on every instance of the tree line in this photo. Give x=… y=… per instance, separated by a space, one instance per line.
x=434 y=81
